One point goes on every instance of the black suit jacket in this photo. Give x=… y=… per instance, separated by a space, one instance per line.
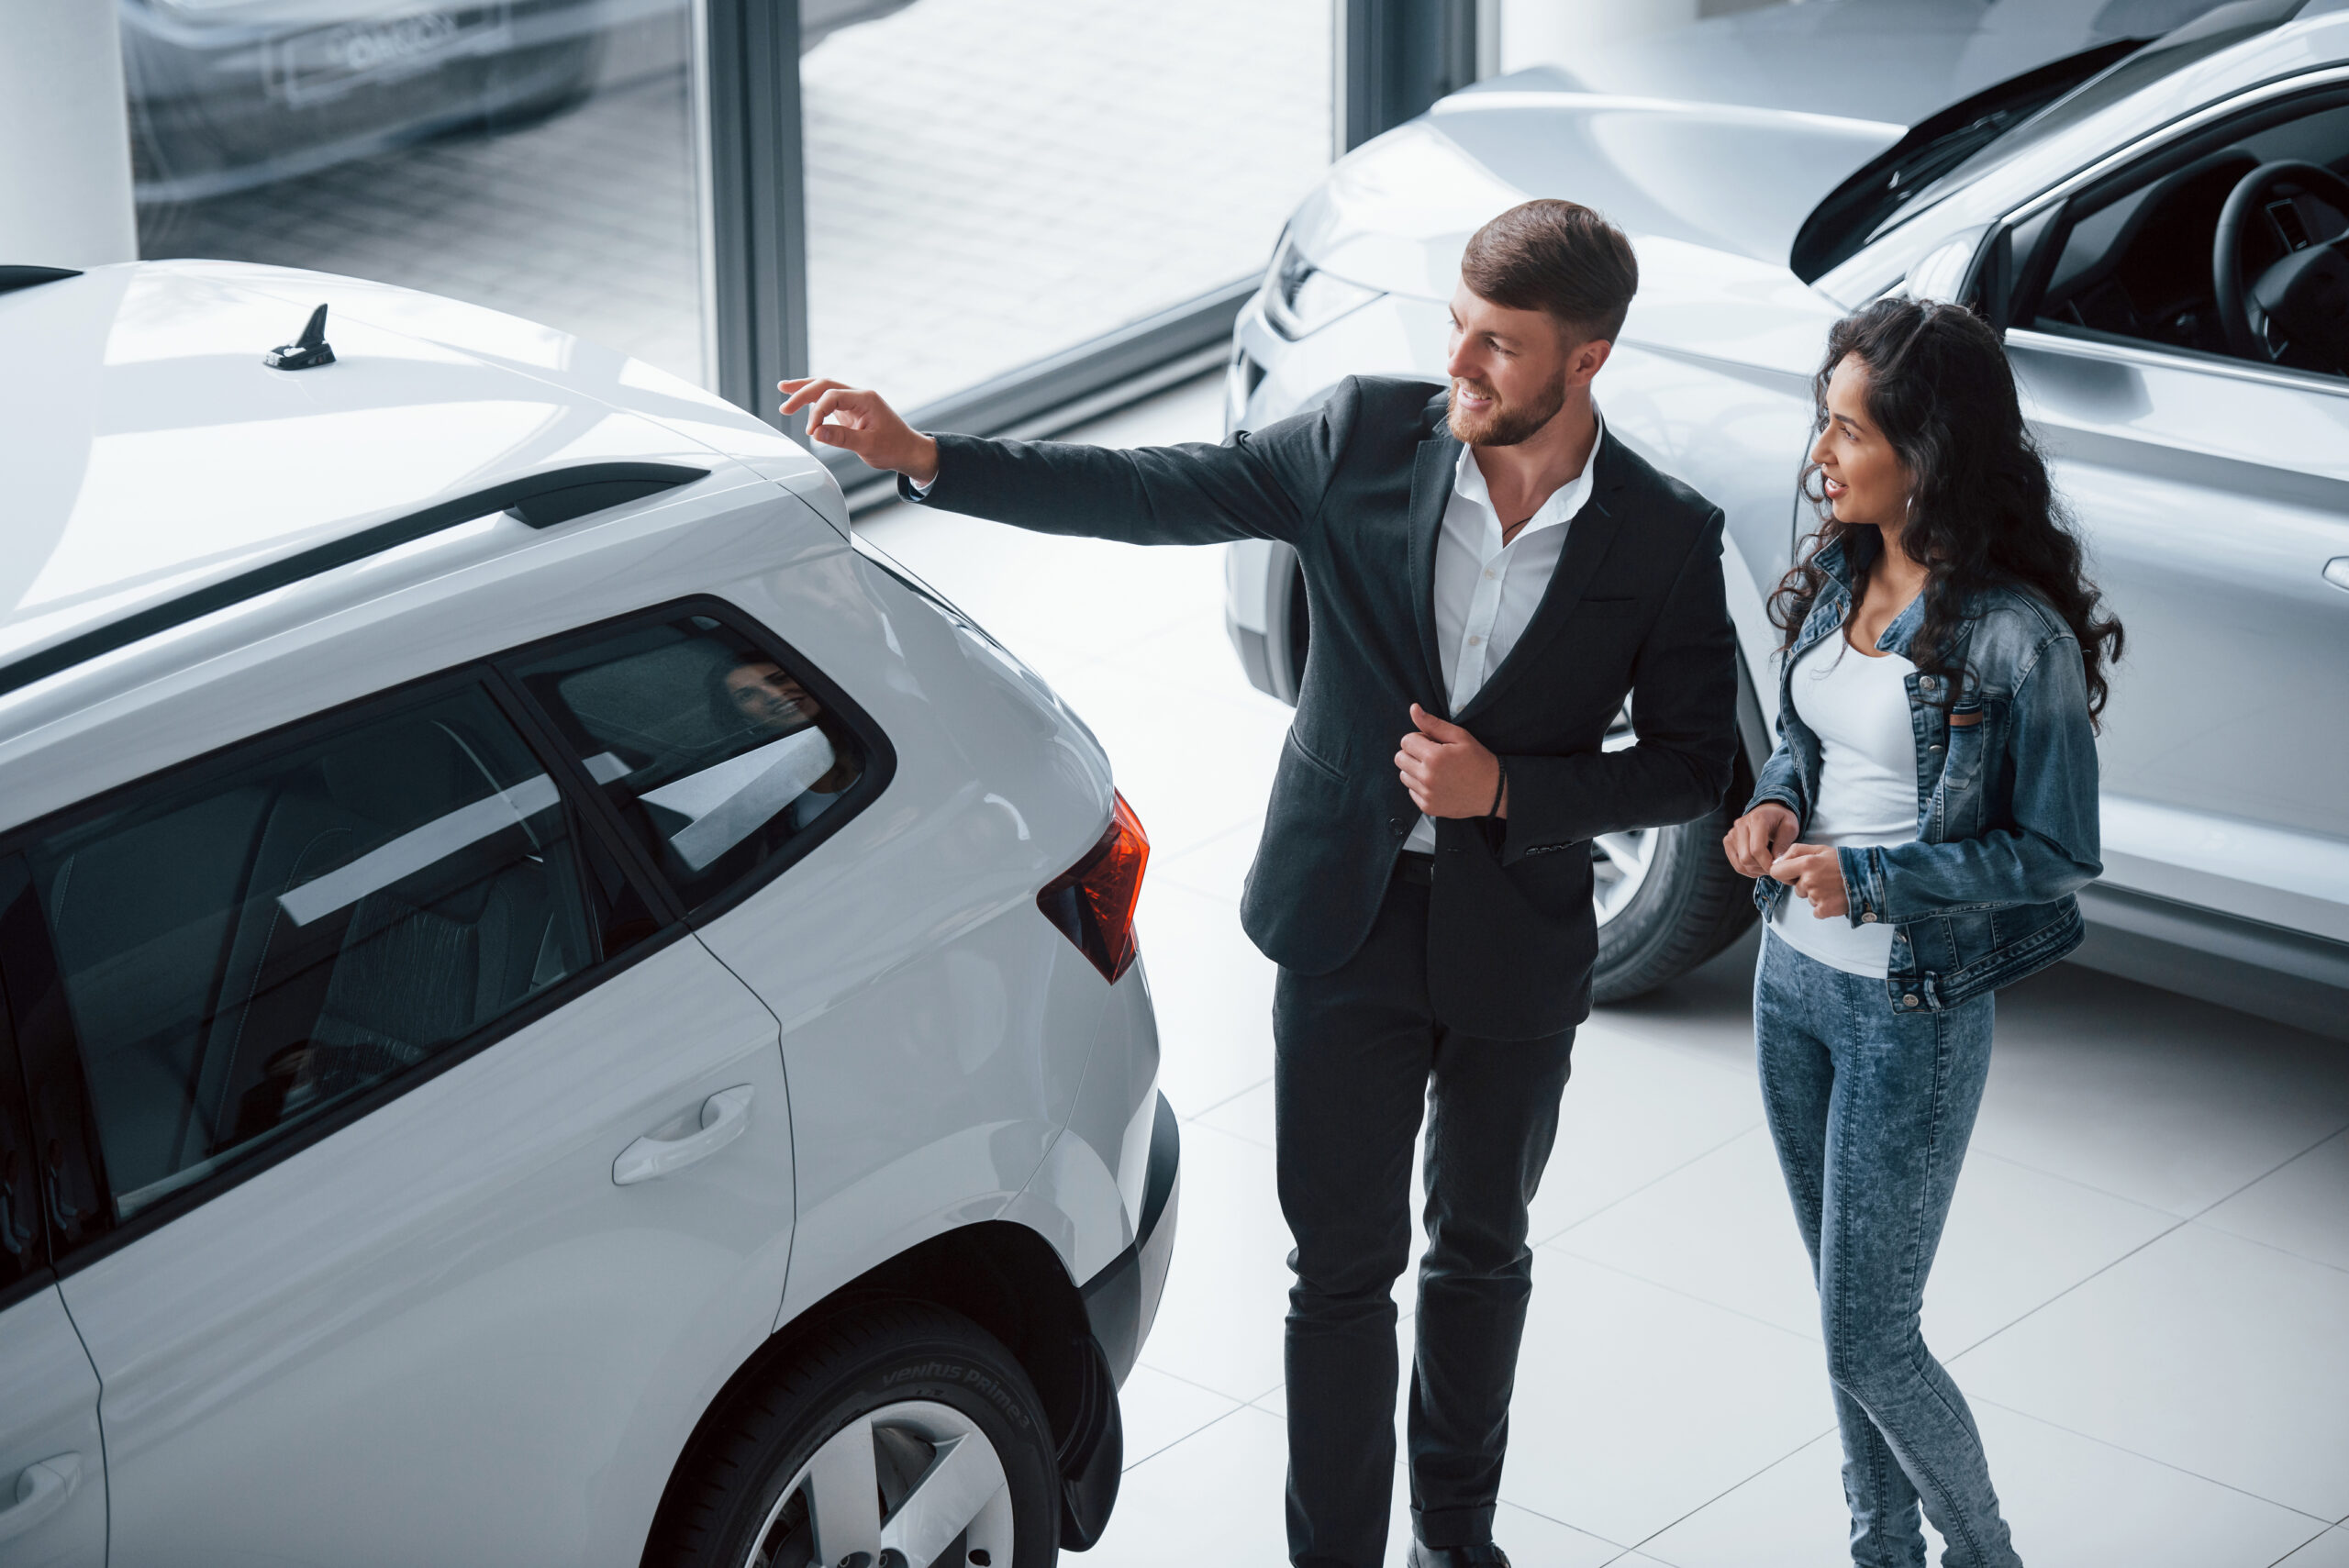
x=1359 y=488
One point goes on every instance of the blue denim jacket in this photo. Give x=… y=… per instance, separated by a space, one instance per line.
x=2006 y=806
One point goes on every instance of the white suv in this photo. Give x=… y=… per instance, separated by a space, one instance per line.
x=553 y=1008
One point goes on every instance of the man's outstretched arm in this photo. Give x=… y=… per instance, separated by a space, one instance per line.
x=1261 y=485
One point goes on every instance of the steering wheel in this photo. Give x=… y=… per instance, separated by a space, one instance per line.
x=2297 y=312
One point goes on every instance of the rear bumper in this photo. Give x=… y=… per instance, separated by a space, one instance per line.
x=1121 y=1301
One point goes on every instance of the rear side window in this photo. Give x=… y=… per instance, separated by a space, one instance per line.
x=244 y=945
x=21 y=1250
x=720 y=758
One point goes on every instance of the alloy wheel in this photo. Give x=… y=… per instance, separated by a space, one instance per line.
x=1619 y=862
x=915 y=1485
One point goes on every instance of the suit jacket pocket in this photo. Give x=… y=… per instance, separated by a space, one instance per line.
x=1314 y=760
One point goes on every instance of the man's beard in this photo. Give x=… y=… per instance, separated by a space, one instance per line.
x=1507 y=425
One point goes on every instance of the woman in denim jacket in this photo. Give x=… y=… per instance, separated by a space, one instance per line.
x=1919 y=837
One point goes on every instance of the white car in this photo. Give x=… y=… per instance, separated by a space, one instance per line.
x=2161 y=229
x=556 y=1009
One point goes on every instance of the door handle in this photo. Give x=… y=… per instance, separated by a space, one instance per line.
x=2336 y=571
x=725 y=1117
x=41 y=1490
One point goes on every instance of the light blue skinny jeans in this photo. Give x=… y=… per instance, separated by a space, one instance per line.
x=1871 y=1110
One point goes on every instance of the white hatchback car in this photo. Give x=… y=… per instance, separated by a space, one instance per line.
x=557 y=1009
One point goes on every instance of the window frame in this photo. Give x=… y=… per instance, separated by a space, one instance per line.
x=880 y=756
x=28 y=953
x=15 y=1105
x=2056 y=212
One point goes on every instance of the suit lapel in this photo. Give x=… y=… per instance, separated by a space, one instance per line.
x=1431 y=476
x=1589 y=538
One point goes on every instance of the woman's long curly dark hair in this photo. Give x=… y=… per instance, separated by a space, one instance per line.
x=1981 y=512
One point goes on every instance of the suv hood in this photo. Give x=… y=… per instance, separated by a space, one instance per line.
x=1884 y=60
x=1395 y=213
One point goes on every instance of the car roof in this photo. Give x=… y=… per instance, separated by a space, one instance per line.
x=151 y=454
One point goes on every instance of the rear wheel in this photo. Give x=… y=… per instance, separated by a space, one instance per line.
x=1667 y=898
x=907 y=1437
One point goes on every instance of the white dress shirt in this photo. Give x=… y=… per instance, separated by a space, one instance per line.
x=1485 y=591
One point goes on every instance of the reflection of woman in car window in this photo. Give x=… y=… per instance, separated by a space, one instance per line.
x=760 y=693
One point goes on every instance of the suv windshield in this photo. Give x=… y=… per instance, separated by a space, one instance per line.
x=1979 y=133
x=1856 y=210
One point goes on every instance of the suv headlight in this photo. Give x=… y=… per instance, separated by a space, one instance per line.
x=1299 y=297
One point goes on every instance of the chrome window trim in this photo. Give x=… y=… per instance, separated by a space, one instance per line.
x=2157 y=359
x=1860 y=288
x=2143 y=147
x=2184 y=124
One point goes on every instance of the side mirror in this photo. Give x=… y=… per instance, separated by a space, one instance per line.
x=2009 y=272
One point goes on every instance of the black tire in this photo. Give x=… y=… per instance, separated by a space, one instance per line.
x=884 y=1358
x=1691 y=906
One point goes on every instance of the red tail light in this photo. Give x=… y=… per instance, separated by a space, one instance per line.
x=1092 y=901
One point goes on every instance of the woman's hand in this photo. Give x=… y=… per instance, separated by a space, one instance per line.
x=1759 y=838
x=1815 y=873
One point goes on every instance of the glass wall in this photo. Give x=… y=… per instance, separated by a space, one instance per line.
x=536 y=156
x=990 y=182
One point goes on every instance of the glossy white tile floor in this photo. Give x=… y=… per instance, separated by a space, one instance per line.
x=2145 y=1284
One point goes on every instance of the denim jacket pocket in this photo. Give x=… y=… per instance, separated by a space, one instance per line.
x=1969 y=738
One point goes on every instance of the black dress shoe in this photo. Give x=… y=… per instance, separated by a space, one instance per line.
x=1486 y=1555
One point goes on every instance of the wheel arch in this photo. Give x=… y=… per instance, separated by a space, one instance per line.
x=1008 y=1279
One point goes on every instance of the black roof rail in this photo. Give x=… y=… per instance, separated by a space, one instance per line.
x=15 y=278
x=542 y=500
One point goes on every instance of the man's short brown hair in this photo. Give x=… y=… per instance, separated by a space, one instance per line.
x=1555 y=255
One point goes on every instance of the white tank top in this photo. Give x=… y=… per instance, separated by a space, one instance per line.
x=1858 y=707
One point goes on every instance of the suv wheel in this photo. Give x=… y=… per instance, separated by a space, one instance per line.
x=1667 y=899
x=906 y=1438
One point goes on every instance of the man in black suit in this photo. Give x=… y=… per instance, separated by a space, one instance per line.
x=1488 y=573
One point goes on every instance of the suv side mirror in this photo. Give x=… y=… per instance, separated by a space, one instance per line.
x=2006 y=274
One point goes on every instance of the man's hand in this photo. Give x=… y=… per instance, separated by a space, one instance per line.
x=1447 y=772
x=1814 y=871
x=861 y=422
x=1758 y=837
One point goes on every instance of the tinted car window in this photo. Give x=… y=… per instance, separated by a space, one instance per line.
x=21 y=1251
x=253 y=941
x=716 y=755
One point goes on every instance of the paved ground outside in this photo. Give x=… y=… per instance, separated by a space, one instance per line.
x=2142 y=1290
x=988 y=181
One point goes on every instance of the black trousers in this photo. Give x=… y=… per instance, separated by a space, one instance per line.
x=1358 y=1053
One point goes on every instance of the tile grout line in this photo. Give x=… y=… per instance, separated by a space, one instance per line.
x=1604 y=1540
x=1686 y=1296
x=1748 y=1480
x=2150 y=1240
x=1623 y=1198
x=2163 y=1463
x=1168 y=1448
x=2074 y=1181
x=1195 y=1383
x=1235 y=1094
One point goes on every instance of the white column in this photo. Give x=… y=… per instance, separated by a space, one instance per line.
x=1551 y=32
x=64 y=138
